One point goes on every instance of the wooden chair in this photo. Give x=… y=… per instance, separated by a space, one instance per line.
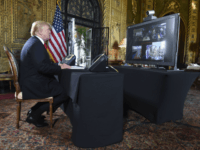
x=18 y=94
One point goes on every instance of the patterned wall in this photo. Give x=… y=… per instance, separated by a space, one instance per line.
x=192 y=31
x=115 y=12
x=146 y=5
x=16 y=17
x=16 y=22
x=5 y=31
x=188 y=10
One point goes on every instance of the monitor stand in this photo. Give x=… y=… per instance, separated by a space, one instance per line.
x=163 y=67
x=157 y=67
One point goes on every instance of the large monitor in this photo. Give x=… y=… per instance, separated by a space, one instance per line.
x=154 y=42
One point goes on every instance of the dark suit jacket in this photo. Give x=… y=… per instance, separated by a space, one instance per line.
x=37 y=71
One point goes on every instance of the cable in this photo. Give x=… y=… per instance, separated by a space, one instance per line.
x=113 y=68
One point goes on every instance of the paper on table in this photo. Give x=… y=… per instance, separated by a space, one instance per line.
x=193 y=66
x=77 y=67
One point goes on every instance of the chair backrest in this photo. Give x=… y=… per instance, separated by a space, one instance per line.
x=14 y=67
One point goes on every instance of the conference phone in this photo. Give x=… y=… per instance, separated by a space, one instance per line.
x=69 y=60
x=100 y=64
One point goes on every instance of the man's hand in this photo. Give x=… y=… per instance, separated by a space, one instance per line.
x=64 y=66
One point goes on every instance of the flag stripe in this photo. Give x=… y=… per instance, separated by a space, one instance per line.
x=61 y=43
x=63 y=39
x=53 y=48
x=61 y=46
x=57 y=42
x=54 y=53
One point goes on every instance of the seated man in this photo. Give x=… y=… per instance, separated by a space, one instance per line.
x=37 y=74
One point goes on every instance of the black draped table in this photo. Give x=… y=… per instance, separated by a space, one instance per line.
x=158 y=95
x=96 y=106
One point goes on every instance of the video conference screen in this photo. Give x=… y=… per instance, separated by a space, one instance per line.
x=153 y=42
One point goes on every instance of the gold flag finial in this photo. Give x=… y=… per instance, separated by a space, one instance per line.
x=58 y=2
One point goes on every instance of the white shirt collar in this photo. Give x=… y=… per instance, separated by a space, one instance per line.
x=40 y=39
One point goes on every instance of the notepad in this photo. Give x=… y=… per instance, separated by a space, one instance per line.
x=193 y=66
x=77 y=67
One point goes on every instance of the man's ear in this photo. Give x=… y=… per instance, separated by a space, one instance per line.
x=37 y=33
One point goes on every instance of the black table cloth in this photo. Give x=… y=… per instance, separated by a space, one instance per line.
x=158 y=95
x=96 y=106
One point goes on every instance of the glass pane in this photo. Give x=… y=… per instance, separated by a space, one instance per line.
x=83 y=45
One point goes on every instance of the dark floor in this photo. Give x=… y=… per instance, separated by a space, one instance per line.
x=139 y=133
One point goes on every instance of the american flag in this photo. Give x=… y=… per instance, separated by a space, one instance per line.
x=57 y=43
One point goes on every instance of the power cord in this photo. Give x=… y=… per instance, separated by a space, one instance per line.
x=113 y=68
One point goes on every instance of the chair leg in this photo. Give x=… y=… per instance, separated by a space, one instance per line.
x=18 y=113
x=51 y=114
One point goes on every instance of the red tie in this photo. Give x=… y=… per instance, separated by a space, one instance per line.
x=45 y=45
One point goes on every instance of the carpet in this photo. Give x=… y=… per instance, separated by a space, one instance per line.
x=139 y=133
x=7 y=96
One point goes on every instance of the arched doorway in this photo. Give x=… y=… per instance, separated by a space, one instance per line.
x=181 y=55
x=87 y=16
